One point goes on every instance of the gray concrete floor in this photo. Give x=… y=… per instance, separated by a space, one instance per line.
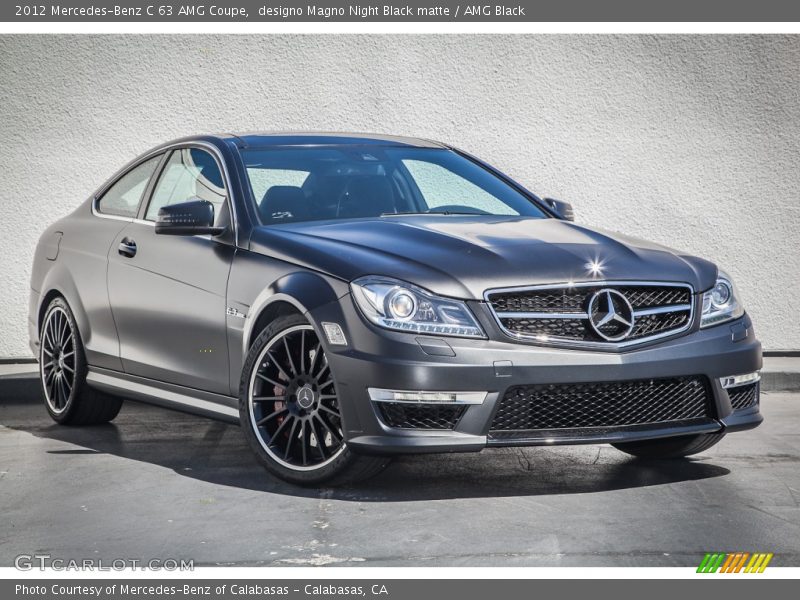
x=160 y=484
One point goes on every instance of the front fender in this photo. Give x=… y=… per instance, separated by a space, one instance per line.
x=252 y=304
x=304 y=290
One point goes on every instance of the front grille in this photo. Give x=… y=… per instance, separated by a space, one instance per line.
x=607 y=404
x=564 y=314
x=744 y=396
x=404 y=415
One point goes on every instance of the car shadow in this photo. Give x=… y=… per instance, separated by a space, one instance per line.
x=217 y=453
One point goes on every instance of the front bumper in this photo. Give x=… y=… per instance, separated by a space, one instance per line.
x=378 y=358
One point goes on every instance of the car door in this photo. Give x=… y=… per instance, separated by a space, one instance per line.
x=168 y=292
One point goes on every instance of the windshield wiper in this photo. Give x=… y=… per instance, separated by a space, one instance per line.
x=429 y=212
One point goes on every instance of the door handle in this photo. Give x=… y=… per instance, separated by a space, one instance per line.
x=127 y=247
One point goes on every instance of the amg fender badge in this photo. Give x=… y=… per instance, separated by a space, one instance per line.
x=235 y=312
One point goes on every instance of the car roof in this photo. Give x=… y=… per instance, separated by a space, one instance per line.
x=322 y=138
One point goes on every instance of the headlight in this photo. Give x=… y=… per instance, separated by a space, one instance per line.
x=398 y=305
x=720 y=303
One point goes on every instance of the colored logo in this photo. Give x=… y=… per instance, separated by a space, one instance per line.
x=734 y=562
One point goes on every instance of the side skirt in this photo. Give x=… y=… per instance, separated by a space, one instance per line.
x=215 y=406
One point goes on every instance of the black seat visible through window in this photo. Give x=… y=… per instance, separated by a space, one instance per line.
x=283 y=203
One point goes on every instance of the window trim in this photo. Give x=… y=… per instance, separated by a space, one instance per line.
x=98 y=197
x=141 y=214
x=166 y=151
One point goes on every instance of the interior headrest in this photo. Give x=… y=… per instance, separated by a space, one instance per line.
x=283 y=203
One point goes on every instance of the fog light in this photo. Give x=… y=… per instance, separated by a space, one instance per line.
x=414 y=396
x=737 y=380
x=334 y=333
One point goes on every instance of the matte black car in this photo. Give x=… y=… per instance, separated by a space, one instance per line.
x=347 y=297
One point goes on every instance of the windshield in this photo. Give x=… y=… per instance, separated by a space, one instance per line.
x=293 y=184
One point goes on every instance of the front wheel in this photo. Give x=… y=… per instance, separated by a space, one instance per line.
x=676 y=447
x=289 y=409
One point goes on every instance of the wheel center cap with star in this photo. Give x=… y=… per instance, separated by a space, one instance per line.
x=305 y=397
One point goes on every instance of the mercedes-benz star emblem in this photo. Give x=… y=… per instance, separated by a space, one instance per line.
x=611 y=315
x=305 y=397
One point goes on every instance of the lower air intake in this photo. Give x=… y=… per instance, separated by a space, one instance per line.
x=606 y=404
x=744 y=396
x=404 y=415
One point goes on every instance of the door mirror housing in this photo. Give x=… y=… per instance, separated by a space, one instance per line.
x=561 y=208
x=195 y=217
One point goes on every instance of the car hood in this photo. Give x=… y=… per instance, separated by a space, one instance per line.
x=462 y=257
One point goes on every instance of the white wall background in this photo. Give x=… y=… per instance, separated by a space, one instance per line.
x=689 y=141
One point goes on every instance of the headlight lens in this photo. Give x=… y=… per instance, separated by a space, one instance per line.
x=720 y=303
x=398 y=305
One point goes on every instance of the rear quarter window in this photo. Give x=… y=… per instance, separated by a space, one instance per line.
x=123 y=197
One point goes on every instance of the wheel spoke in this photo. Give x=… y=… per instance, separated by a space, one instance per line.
x=303 y=351
x=334 y=435
x=328 y=397
x=62 y=388
x=50 y=381
x=68 y=368
x=67 y=383
x=320 y=440
x=330 y=410
x=63 y=330
x=48 y=335
x=68 y=354
x=289 y=355
x=303 y=444
x=268 y=398
x=316 y=356
x=271 y=416
x=326 y=384
x=291 y=439
x=68 y=340
x=322 y=370
x=280 y=428
x=272 y=381
x=277 y=364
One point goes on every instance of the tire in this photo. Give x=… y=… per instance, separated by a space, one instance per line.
x=289 y=409
x=676 y=447
x=62 y=372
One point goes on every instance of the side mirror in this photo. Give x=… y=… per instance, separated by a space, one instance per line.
x=195 y=217
x=562 y=209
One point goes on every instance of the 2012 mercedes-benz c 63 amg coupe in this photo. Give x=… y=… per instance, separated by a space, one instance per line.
x=347 y=297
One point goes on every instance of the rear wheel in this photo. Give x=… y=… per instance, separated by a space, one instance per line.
x=290 y=412
x=676 y=447
x=62 y=371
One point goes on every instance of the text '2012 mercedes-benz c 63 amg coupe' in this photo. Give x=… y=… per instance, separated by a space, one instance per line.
x=348 y=297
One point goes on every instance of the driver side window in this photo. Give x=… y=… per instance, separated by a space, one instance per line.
x=190 y=174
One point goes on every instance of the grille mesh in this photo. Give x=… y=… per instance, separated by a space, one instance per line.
x=652 y=324
x=403 y=415
x=574 y=299
x=744 y=396
x=607 y=404
x=565 y=301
